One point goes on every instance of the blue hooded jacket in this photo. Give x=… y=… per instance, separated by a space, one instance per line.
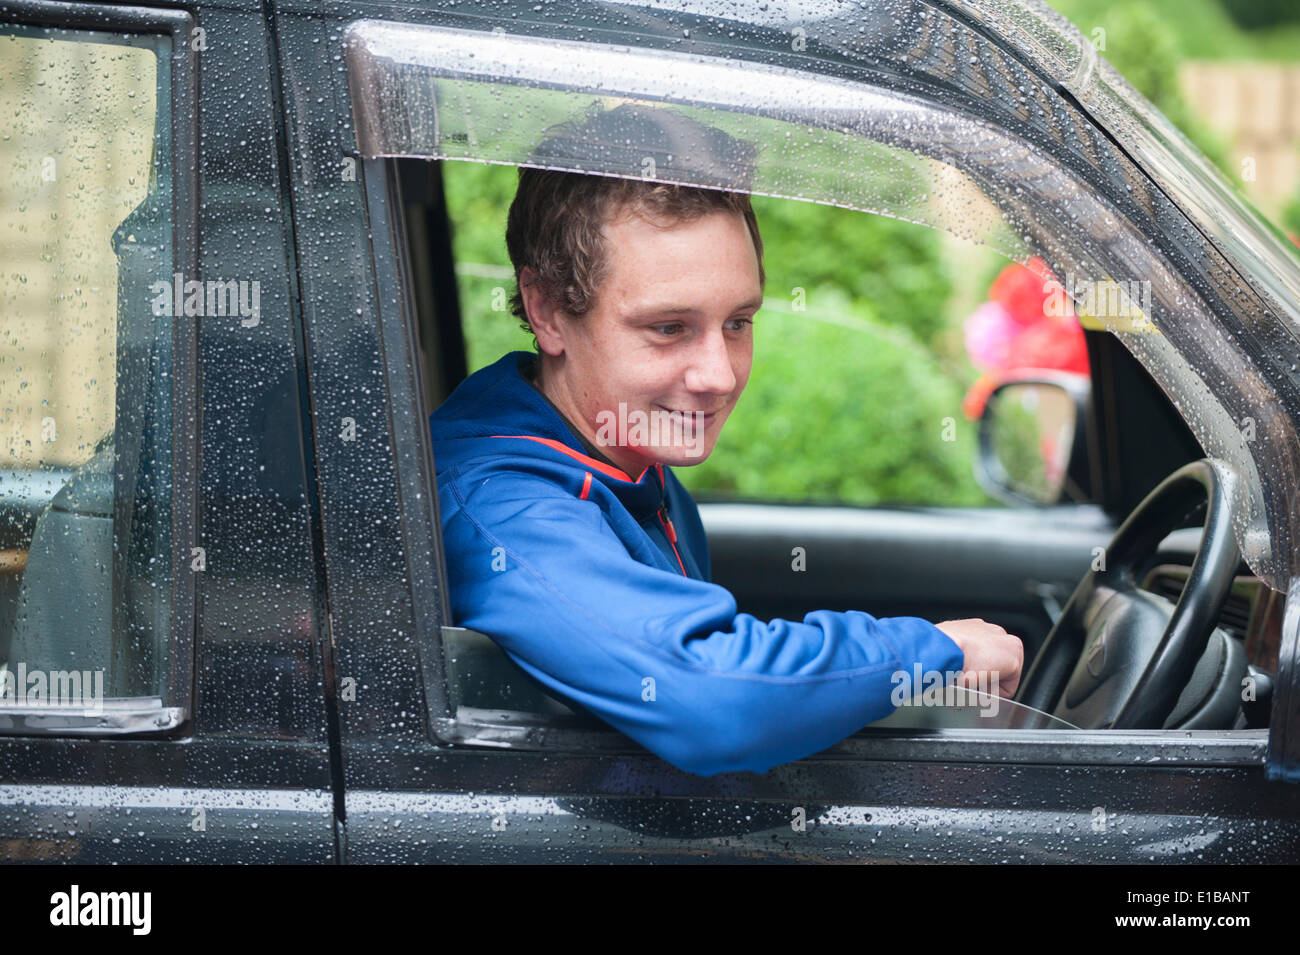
x=597 y=584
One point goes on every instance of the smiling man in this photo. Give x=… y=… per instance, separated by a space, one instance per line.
x=671 y=334
x=570 y=541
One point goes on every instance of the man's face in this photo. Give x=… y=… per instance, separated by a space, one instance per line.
x=653 y=369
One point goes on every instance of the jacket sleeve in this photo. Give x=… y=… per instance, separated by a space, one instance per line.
x=663 y=658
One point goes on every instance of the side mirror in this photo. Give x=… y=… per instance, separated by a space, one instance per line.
x=1032 y=440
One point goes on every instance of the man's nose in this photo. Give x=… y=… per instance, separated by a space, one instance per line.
x=710 y=369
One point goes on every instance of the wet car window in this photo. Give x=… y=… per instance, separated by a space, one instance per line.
x=85 y=383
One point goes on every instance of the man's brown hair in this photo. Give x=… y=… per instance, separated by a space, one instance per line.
x=555 y=225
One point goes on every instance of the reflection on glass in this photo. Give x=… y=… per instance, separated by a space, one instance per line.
x=1031 y=432
x=85 y=366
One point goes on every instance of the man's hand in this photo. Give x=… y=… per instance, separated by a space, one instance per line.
x=988 y=649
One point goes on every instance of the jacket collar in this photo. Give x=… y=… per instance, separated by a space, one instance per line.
x=528 y=371
x=497 y=411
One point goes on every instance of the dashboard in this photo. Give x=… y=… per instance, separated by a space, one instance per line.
x=1252 y=612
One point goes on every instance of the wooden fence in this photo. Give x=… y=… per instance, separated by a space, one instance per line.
x=1255 y=109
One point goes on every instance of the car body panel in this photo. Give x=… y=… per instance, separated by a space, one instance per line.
x=318 y=683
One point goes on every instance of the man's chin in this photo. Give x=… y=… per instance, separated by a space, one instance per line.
x=677 y=440
x=682 y=457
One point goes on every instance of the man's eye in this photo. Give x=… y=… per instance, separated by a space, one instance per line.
x=668 y=330
x=738 y=324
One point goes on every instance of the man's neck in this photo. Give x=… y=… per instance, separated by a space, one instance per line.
x=532 y=374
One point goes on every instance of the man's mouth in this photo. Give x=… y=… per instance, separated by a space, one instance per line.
x=705 y=418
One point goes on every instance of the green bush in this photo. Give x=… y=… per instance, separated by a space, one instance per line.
x=838 y=413
x=1253 y=14
x=1197 y=29
x=847 y=400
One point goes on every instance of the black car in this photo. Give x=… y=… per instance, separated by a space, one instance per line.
x=230 y=304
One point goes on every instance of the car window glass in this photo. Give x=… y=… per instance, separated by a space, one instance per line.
x=85 y=384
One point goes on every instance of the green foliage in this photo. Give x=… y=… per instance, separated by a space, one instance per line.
x=847 y=399
x=877 y=266
x=1142 y=45
x=842 y=412
x=1198 y=29
x=478 y=198
x=1261 y=13
x=1291 y=216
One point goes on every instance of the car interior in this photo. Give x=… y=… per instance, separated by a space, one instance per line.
x=1002 y=565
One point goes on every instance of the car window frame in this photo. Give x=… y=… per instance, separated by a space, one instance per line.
x=140 y=716
x=414 y=455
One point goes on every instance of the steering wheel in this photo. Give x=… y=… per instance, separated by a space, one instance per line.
x=1117 y=658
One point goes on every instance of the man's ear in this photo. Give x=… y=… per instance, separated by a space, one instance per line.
x=546 y=318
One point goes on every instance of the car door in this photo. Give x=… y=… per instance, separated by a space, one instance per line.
x=162 y=658
x=447 y=753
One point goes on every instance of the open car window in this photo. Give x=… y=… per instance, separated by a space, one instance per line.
x=1066 y=198
x=858 y=309
x=439 y=93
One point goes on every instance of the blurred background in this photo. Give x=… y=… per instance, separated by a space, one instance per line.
x=868 y=393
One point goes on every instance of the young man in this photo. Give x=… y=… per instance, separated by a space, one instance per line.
x=571 y=543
